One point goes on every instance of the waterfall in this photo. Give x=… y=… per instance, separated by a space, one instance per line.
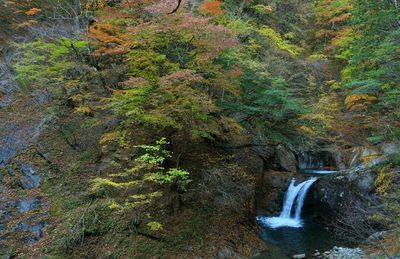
x=294 y=197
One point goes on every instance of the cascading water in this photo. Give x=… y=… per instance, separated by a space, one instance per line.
x=294 y=197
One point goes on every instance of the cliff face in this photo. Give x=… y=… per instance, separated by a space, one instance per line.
x=24 y=209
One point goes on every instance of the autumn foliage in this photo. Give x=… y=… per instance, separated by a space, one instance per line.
x=359 y=101
x=33 y=11
x=212 y=7
x=332 y=21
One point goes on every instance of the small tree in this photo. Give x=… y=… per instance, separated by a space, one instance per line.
x=141 y=183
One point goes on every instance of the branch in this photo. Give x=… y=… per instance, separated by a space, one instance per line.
x=176 y=8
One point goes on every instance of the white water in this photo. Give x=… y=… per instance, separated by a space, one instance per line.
x=311 y=171
x=295 y=195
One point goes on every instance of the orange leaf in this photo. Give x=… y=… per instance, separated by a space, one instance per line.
x=33 y=11
x=212 y=7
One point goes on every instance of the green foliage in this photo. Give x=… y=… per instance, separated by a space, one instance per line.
x=278 y=41
x=42 y=64
x=155 y=226
x=373 y=57
x=170 y=176
x=364 y=36
x=266 y=102
x=136 y=182
x=376 y=139
x=173 y=82
x=272 y=100
x=155 y=156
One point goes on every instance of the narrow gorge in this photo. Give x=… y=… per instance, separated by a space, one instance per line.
x=200 y=129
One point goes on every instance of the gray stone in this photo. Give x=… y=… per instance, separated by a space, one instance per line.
x=261 y=148
x=366 y=157
x=344 y=253
x=376 y=236
x=287 y=159
x=37 y=229
x=390 y=148
x=299 y=256
x=366 y=183
x=28 y=205
x=22 y=225
x=30 y=178
x=227 y=253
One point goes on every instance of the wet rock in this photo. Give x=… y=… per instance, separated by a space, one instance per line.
x=37 y=230
x=5 y=212
x=390 y=148
x=22 y=225
x=287 y=159
x=271 y=190
x=327 y=158
x=28 y=205
x=376 y=236
x=336 y=190
x=344 y=253
x=366 y=183
x=227 y=253
x=339 y=160
x=30 y=178
x=310 y=160
x=249 y=158
x=10 y=143
x=363 y=179
x=30 y=241
x=261 y=148
x=40 y=98
x=10 y=170
x=366 y=157
x=7 y=86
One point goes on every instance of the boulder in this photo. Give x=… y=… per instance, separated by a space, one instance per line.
x=227 y=253
x=365 y=157
x=366 y=182
x=339 y=160
x=336 y=190
x=344 y=253
x=376 y=236
x=30 y=178
x=29 y=204
x=391 y=148
x=287 y=159
x=362 y=179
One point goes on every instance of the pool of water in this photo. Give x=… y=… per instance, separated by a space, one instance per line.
x=289 y=240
